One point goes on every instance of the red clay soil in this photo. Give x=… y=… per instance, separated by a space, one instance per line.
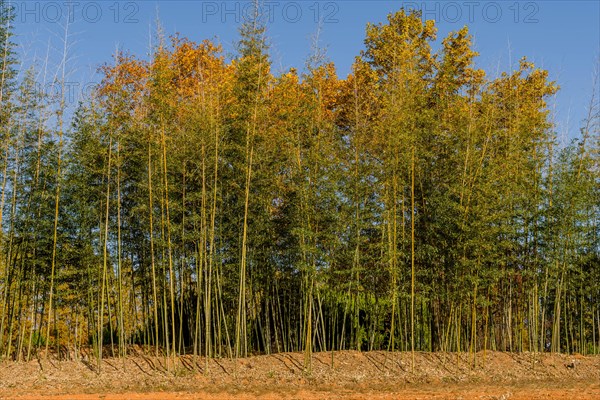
x=353 y=375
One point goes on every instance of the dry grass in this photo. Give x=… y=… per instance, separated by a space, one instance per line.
x=352 y=375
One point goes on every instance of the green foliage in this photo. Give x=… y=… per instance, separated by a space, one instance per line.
x=211 y=207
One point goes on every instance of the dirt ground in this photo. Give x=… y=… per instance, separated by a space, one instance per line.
x=341 y=375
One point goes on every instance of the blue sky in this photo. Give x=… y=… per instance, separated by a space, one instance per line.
x=561 y=36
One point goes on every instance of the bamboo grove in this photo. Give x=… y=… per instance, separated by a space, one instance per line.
x=200 y=204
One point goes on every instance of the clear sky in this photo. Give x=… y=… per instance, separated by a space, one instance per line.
x=561 y=36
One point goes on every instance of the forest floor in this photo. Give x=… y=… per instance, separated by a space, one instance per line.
x=353 y=375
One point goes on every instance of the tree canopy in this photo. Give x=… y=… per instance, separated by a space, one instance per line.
x=205 y=205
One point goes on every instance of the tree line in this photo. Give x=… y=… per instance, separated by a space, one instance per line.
x=199 y=204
